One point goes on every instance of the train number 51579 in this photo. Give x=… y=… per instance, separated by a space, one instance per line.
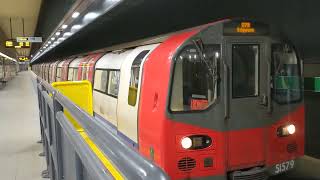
x=285 y=166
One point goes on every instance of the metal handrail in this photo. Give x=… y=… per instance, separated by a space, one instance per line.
x=127 y=160
x=84 y=152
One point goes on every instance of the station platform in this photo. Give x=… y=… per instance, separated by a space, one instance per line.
x=20 y=131
x=306 y=169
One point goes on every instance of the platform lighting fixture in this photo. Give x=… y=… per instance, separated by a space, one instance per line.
x=49 y=42
x=53 y=38
x=67 y=34
x=64 y=26
x=90 y=16
x=58 y=33
x=76 y=27
x=75 y=14
x=3 y=55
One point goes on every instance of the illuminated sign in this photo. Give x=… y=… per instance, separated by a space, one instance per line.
x=23 y=58
x=29 y=39
x=11 y=43
x=245 y=27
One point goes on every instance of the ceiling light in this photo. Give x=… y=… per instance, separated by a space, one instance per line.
x=75 y=14
x=67 y=34
x=53 y=38
x=58 y=33
x=49 y=42
x=90 y=16
x=76 y=28
x=64 y=26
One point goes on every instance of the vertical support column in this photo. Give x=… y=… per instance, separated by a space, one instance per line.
x=58 y=143
x=79 y=167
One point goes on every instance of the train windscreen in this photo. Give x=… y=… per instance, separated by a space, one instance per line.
x=286 y=74
x=194 y=84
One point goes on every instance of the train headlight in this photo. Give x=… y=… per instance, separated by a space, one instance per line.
x=195 y=142
x=286 y=130
x=186 y=142
x=291 y=129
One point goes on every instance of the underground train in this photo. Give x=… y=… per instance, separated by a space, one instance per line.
x=8 y=69
x=218 y=101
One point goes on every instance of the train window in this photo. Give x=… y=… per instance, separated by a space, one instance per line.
x=195 y=76
x=114 y=81
x=75 y=74
x=58 y=74
x=286 y=76
x=245 y=70
x=134 y=79
x=84 y=75
x=101 y=80
x=70 y=74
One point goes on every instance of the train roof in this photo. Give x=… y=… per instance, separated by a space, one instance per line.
x=112 y=60
x=75 y=63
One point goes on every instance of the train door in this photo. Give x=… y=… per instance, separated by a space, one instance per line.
x=129 y=92
x=247 y=66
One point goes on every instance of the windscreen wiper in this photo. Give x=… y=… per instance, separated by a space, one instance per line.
x=211 y=67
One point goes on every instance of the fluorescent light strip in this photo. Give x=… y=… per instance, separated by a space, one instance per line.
x=10 y=58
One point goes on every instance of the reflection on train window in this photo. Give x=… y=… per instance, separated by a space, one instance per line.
x=245 y=70
x=70 y=74
x=286 y=76
x=134 y=78
x=58 y=74
x=100 y=80
x=194 y=85
x=114 y=81
x=75 y=74
x=84 y=75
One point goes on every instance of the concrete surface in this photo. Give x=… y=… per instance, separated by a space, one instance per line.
x=307 y=168
x=19 y=131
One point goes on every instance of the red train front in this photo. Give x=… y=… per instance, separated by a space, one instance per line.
x=222 y=101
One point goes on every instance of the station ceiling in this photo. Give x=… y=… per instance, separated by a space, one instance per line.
x=18 y=10
x=297 y=20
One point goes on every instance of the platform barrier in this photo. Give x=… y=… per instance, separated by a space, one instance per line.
x=312 y=104
x=84 y=148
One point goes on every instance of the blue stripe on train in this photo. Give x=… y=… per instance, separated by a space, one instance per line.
x=114 y=130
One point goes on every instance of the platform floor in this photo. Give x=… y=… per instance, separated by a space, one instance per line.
x=19 y=131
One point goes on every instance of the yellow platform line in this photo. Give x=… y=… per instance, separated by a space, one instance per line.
x=105 y=161
x=80 y=92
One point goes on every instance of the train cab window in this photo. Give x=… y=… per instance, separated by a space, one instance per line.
x=114 y=81
x=245 y=70
x=134 y=78
x=101 y=80
x=286 y=74
x=195 y=78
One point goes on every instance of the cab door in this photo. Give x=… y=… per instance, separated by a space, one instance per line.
x=246 y=59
